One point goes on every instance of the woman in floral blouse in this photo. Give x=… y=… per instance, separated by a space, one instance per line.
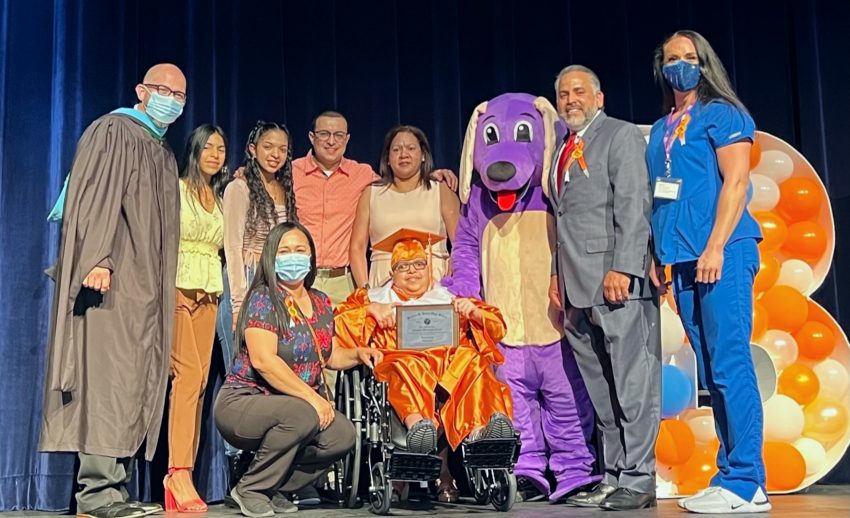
x=275 y=401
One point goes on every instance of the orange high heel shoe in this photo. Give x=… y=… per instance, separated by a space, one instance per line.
x=196 y=505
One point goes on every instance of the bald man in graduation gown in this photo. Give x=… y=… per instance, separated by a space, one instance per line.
x=474 y=403
x=113 y=307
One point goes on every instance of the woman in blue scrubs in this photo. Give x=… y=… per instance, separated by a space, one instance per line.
x=698 y=158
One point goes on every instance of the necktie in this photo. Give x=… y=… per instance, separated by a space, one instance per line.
x=565 y=156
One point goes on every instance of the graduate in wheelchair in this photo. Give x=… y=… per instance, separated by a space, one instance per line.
x=417 y=394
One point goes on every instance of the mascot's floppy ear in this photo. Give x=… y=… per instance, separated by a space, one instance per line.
x=466 y=165
x=550 y=116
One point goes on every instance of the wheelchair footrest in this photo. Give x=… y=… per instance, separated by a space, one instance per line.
x=491 y=453
x=413 y=466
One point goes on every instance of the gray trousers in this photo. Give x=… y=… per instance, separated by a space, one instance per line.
x=103 y=480
x=284 y=431
x=618 y=352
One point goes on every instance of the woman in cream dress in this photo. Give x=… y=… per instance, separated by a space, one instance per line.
x=404 y=197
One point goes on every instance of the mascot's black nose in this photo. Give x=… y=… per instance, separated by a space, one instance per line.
x=501 y=171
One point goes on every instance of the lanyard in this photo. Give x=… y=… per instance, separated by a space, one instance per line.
x=672 y=133
x=297 y=312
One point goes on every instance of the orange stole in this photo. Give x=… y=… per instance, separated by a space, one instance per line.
x=413 y=376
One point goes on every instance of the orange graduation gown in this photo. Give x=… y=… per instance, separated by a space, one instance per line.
x=464 y=372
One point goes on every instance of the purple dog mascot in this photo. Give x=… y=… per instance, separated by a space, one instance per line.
x=503 y=254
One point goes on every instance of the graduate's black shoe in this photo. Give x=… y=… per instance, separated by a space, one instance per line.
x=422 y=437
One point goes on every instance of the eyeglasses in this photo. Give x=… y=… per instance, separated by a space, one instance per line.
x=325 y=135
x=166 y=91
x=406 y=267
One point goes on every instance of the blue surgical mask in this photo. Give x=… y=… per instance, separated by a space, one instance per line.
x=681 y=75
x=164 y=109
x=292 y=267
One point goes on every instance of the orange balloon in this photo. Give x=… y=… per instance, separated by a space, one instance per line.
x=784 y=466
x=800 y=383
x=773 y=231
x=806 y=240
x=815 y=340
x=675 y=443
x=768 y=273
x=714 y=445
x=755 y=154
x=799 y=198
x=826 y=421
x=696 y=473
x=671 y=301
x=786 y=308
x=759 y=321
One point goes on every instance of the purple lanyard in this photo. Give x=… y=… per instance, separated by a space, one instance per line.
x=669 y=130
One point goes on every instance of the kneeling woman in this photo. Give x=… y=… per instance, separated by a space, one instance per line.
x=274 y=400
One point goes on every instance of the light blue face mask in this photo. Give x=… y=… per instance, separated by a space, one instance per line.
x=164 y=109
x=292 y=267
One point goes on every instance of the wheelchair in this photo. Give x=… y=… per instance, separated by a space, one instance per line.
x=381 y=442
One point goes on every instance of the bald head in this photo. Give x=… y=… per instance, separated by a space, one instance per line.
x=166 y=74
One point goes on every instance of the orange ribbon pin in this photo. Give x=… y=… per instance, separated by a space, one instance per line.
x=577 y=156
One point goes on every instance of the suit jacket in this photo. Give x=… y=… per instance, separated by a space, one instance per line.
x=603 y=218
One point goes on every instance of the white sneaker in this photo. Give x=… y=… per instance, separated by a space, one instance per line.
x=709 y=489
x=723 y=501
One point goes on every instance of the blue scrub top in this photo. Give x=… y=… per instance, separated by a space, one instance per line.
x=681 y=227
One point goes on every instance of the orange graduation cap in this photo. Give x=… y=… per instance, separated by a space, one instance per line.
x=407 y=244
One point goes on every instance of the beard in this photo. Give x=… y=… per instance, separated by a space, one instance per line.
x=579 y=122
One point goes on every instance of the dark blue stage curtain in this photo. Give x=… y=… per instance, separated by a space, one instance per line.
x=64 y=63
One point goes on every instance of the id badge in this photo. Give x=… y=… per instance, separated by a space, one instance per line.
x=667 y=188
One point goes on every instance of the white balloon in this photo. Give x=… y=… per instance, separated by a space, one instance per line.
x=783 y=419
x=702 y=425
x=665 y=488
x=813 y=453
x=672 y=331
x=776 y=165
x=781 y=347
x=796 y=274
x=833 y=379
x=765 y=193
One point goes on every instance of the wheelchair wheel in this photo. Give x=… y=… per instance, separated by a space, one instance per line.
x=479 y=486
x=381 y=491
x=503 y=490
x=348 y=401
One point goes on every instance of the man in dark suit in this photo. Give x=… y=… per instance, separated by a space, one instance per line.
x=601 y=277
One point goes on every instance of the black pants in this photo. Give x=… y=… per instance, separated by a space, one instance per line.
x=284 y=431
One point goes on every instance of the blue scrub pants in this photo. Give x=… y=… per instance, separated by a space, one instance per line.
x=718 y=320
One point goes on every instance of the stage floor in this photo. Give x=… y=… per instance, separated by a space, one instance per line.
x=823 y=501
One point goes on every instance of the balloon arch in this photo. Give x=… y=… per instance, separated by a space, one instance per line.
x=802 y=356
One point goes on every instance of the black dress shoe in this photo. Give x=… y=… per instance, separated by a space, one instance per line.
x=625 y=499
x=114 y=510
x=147 y=507
x=592 y=498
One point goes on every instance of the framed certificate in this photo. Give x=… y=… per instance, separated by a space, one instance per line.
x=422 y=327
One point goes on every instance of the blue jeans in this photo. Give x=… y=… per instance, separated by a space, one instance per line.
x=718 y=320
x=224 y=330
